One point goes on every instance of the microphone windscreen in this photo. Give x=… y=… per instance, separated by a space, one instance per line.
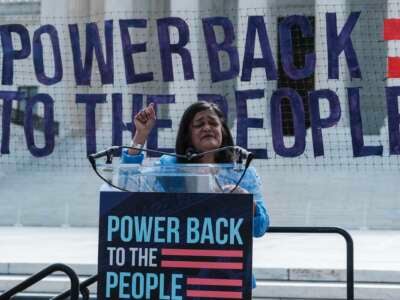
x=243 y=152
x=190 y=153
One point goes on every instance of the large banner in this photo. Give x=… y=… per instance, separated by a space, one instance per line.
x=175 y=246
x=308 y=83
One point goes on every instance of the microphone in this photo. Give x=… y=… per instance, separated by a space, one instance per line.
x=240 y=154
x=106 y=152
x=244 y=154
x=191 y=153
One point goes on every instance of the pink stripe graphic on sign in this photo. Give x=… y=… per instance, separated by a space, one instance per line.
x=214 y=281
x=214 y=294
x=201 y=265
x=198 y=252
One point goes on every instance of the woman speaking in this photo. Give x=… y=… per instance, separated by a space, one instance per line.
x=201 y=129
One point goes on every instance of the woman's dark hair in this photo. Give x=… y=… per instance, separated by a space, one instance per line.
x=184 y=140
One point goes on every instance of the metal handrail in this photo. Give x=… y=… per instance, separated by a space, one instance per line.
x=272 y=229
x=74 y=291
x=83 y=288
x=336 y=230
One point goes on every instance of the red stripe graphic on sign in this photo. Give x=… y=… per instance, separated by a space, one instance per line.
x=391 y=29
x=201 y=265
x=214 y=281
x=198 y=252
x=393 y=67
x=214 y=294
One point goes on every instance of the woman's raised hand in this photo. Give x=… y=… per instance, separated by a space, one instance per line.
x=144 y=122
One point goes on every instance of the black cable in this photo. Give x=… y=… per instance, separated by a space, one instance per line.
x=248 y=161
x=93 y=164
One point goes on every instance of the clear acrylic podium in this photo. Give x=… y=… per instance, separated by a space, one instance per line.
x=177 y=178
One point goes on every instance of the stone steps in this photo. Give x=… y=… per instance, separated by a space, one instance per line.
x=326 y=275
x=261 y=273
x=272 y=284
x=54 y=285
x=324 y=290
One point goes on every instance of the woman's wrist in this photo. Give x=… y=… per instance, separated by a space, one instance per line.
x=139 y=139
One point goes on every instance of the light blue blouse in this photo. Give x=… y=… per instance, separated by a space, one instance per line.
x=251 y=182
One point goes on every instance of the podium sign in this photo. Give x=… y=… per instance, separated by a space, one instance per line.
x=175 y=246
